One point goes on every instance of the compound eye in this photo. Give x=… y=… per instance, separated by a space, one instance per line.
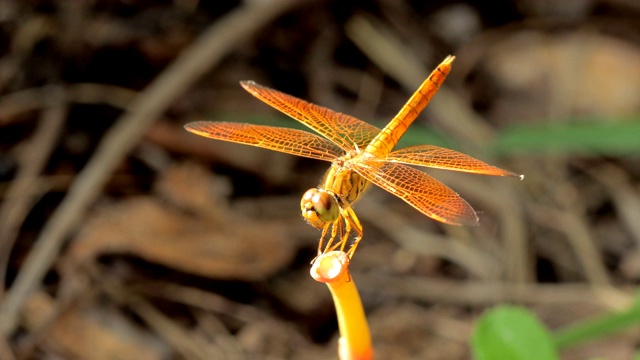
x=325 y=206
x=319 y=207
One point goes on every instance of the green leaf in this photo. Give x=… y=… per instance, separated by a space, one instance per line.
x=513 y=333
x=602 y=137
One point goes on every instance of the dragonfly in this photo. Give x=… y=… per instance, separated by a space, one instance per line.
x=360 y=154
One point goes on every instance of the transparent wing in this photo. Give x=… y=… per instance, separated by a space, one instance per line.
x=290 y=141
x=441 y=158
x=343 y=130
x=428 y=195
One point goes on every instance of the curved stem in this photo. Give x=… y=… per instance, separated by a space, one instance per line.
x=332 y=268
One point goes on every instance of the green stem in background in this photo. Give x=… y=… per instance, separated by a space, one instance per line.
x=596 y=328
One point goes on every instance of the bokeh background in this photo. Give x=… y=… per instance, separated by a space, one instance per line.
x=122 y=236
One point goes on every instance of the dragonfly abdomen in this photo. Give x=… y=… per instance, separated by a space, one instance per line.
x=387 y=139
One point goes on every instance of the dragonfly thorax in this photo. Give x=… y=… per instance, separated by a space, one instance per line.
x=319 y=207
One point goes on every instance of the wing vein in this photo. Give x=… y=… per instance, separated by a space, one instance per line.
x=289 y=141
x=423 y=192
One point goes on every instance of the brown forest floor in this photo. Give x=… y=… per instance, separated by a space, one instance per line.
x=122 y=236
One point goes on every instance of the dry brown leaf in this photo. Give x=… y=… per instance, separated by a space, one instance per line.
x=206 y=239
x=203 y=246
x=564 y=75
x=191 y=186
x=79 y=336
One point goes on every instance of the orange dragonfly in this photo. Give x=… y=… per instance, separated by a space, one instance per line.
x=360 y=154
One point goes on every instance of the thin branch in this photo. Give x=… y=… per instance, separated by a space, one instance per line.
x=21 y=194
x=197 y=59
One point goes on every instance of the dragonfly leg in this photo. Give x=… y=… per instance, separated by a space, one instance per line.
x=345 y=238
x=350 y=222
x=336 y=227
x=325 y=229
x=353 y=222
x=344 y=235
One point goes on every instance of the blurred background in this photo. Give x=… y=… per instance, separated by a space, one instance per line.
x=122 y=236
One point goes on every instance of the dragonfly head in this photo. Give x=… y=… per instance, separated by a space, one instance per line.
x=319 y=207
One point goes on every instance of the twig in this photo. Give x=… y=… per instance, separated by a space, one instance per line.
x=195 y=60
x=50 y=95
x=28 y=99
x=190 y=346
x=623 y=193
x=576 y=229
x=19 y=199
x=483 y=293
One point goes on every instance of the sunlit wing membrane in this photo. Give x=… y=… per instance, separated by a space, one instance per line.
x=344 y=130
x=289 y=141
x=441 y=158
x=428 y=195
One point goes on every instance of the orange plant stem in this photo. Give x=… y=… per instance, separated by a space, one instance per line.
x=332 y=268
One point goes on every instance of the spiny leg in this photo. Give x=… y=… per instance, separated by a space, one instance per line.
x=345 y=210
x=353 y=222
x=336 y=227
x=344 y=236
x=324 y=233
x=325 y=229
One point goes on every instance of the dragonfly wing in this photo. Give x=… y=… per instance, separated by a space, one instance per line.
x=290 y=141
x=441 y=158
x=343 y=130
x=423 y=192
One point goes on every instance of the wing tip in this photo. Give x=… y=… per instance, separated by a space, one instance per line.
x=193 y=126
x=190 y=126
x=250 y=86
x=509 y=173
x=467 y=219
x=502 y=172
x=468 y=222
